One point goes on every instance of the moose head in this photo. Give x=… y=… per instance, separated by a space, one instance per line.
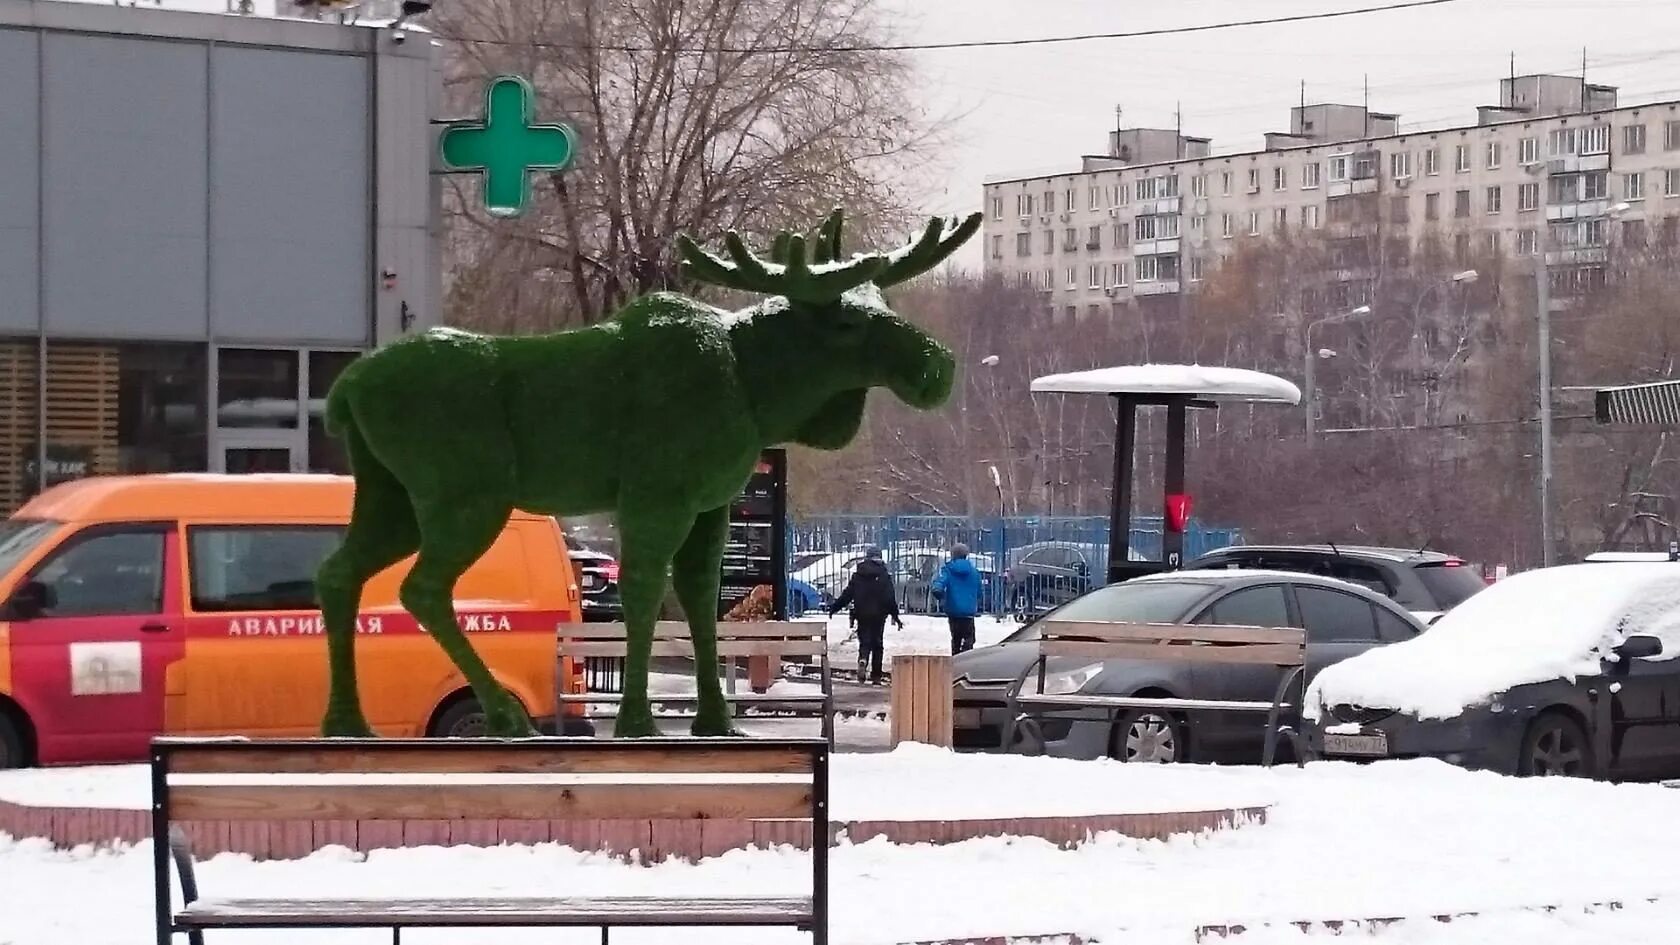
x=809 y=356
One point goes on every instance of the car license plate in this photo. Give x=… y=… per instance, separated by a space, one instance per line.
x=1365 y=743
x=965 y=718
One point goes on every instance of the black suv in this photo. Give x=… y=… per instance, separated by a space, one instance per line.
x=1427 y=583
x=597 y=577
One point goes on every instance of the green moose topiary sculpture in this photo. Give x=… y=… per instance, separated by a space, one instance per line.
x=448 y=432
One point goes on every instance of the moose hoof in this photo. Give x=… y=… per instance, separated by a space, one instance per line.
x=708 y=728
x=635 y=722
x=508 y=722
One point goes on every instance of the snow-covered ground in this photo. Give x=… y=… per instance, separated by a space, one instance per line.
x=921 y=634
x=1394 y=839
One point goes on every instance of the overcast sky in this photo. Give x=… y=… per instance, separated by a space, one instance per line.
x=1035 y=109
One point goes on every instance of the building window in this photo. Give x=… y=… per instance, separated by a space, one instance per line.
x=1067 y=201
x=1122 y=235
x=1095 y=197
x=1023 y=279
x=1633 y=186
x=1253 y=223
x=1095 y=276
x=1125 y=191
x=997 y=246
x=1595 y=186
x=1400 y=165
x=256 y=388
x=1495 y=199
x=1432 y=161
x=1526 y=242
x=1198 y=224
x=1461 y=248
x=1528 y=151
x=1280 y=178
x=1309 y=175
x=1593 y=232
x=1023 y=244
x=1045 y=279
x=1093 y=239
x=1309 y=216
x=1225 y=224
x=1528 y=197
x=1225 y=184
x=1157 y=268
x=1338 y=168
x=1671 y=183
x=1461 y=203
x=997 y=208
x=1399 y=209
x=1024 y=204
x=1254 y=180
x=1157 y=227
x=1495 y=154
x=1280 y=219
x=1073 y=277
x=1196 y=264
x=1492 y=238
x=1198 y=185
x=1049 y=241
x=1671 y=136
x=1120 y=274
x=1432 y=206
x=1461 y=158
x=1633 y=139
x=1049 y=201
x=1595 y=139
x=1070 y=240
x=1561 y=142
x=1633 y=233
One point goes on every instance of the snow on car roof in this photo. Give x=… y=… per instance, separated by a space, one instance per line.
x=1539 y=625
x=1208 y=383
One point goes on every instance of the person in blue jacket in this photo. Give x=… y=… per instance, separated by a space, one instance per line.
x=958 y=588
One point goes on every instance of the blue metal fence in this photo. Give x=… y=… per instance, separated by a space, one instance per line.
x=1029 y=562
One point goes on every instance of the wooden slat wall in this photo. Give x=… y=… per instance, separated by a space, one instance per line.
x=81 y=407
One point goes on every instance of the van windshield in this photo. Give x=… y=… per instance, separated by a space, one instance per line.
x=19 y=536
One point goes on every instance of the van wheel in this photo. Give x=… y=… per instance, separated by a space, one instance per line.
x=463 y=719
x=11 y=744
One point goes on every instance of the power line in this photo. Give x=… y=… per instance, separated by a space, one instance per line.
x=971 y=44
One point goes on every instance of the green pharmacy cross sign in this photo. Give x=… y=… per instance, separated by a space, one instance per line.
x=506 y=146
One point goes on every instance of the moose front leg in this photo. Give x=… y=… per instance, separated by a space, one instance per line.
x=650 y=534
x=696 y=575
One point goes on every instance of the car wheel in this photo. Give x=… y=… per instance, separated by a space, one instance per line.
x=464 y=719
x=11 y=744
x=1145 y=736
x=1555 y=745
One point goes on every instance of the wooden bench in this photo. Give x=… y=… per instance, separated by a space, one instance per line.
x=774 y=640
x=1097 y=641
x=280 y=782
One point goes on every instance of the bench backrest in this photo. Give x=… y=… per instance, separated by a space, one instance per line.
x=1191 y=643
x=481 y=779
x=671 y=638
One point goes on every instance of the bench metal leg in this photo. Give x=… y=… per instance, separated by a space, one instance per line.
x=604 y=931
x=1274 y=715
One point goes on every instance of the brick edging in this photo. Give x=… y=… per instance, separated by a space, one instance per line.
x=649 y=840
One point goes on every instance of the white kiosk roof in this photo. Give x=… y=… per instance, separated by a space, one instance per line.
x=1224 y=384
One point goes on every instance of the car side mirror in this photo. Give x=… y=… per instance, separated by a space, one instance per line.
x=31 y=600
x=1639 y=648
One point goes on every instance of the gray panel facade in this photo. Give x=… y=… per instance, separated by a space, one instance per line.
x=124 y=180
x=19 y=183
x=289 y=196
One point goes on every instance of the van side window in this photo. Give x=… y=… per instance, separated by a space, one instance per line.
x=263 y=567
x=104 y=575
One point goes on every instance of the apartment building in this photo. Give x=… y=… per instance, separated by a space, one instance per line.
x=1556 y=168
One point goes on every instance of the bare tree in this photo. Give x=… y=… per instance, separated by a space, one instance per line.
x=692 y=116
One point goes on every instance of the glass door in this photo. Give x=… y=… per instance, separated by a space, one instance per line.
x=264 y=455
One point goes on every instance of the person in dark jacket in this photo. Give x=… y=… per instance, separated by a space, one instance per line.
x=873 y=599
x=958 y=589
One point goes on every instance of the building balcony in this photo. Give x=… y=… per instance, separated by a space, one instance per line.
x=1578 y=209
x=1578 y=256
x=1160 y=287
x=1160 y=205
x=1345 y=188
x=1577 y=163
x=1168 y=247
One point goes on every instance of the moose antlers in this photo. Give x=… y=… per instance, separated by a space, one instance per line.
x=825 y=277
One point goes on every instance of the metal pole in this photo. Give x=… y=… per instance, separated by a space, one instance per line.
x=1120 y=506
x=1307 y=357
x=1172 y=542
x=1542 y=294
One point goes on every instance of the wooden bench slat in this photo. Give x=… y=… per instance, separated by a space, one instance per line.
x=621 y=758
x=675 y=630
x=593 y=801
x=1272 y=654
x=1187 y=633
x=685 y=647
x=1147 y=702
x=616 y=910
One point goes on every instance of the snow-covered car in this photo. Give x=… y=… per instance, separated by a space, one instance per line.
x=1564 y=671
x=1340 y=620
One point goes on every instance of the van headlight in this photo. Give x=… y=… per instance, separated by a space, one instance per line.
x=1062 y=684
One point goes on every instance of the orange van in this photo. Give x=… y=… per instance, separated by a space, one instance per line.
x=183 y=604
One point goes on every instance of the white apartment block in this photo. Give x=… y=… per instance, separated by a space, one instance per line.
x=1552 y=169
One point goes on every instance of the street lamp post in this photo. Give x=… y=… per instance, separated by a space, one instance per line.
x=1309 y=355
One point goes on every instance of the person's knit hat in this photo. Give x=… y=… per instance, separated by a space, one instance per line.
x=959 y=550
x=872 y=553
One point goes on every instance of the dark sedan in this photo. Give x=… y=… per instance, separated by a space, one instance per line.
x=1340 y=620
x=1557 y=671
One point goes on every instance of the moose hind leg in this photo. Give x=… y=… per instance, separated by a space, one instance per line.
x=650 y=533
x=451 y=541
x=696 y=574
x=382 y=532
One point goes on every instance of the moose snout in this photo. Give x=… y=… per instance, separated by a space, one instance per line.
x=931 y=385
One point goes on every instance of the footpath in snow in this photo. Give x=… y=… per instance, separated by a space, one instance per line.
x=1403 y=838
